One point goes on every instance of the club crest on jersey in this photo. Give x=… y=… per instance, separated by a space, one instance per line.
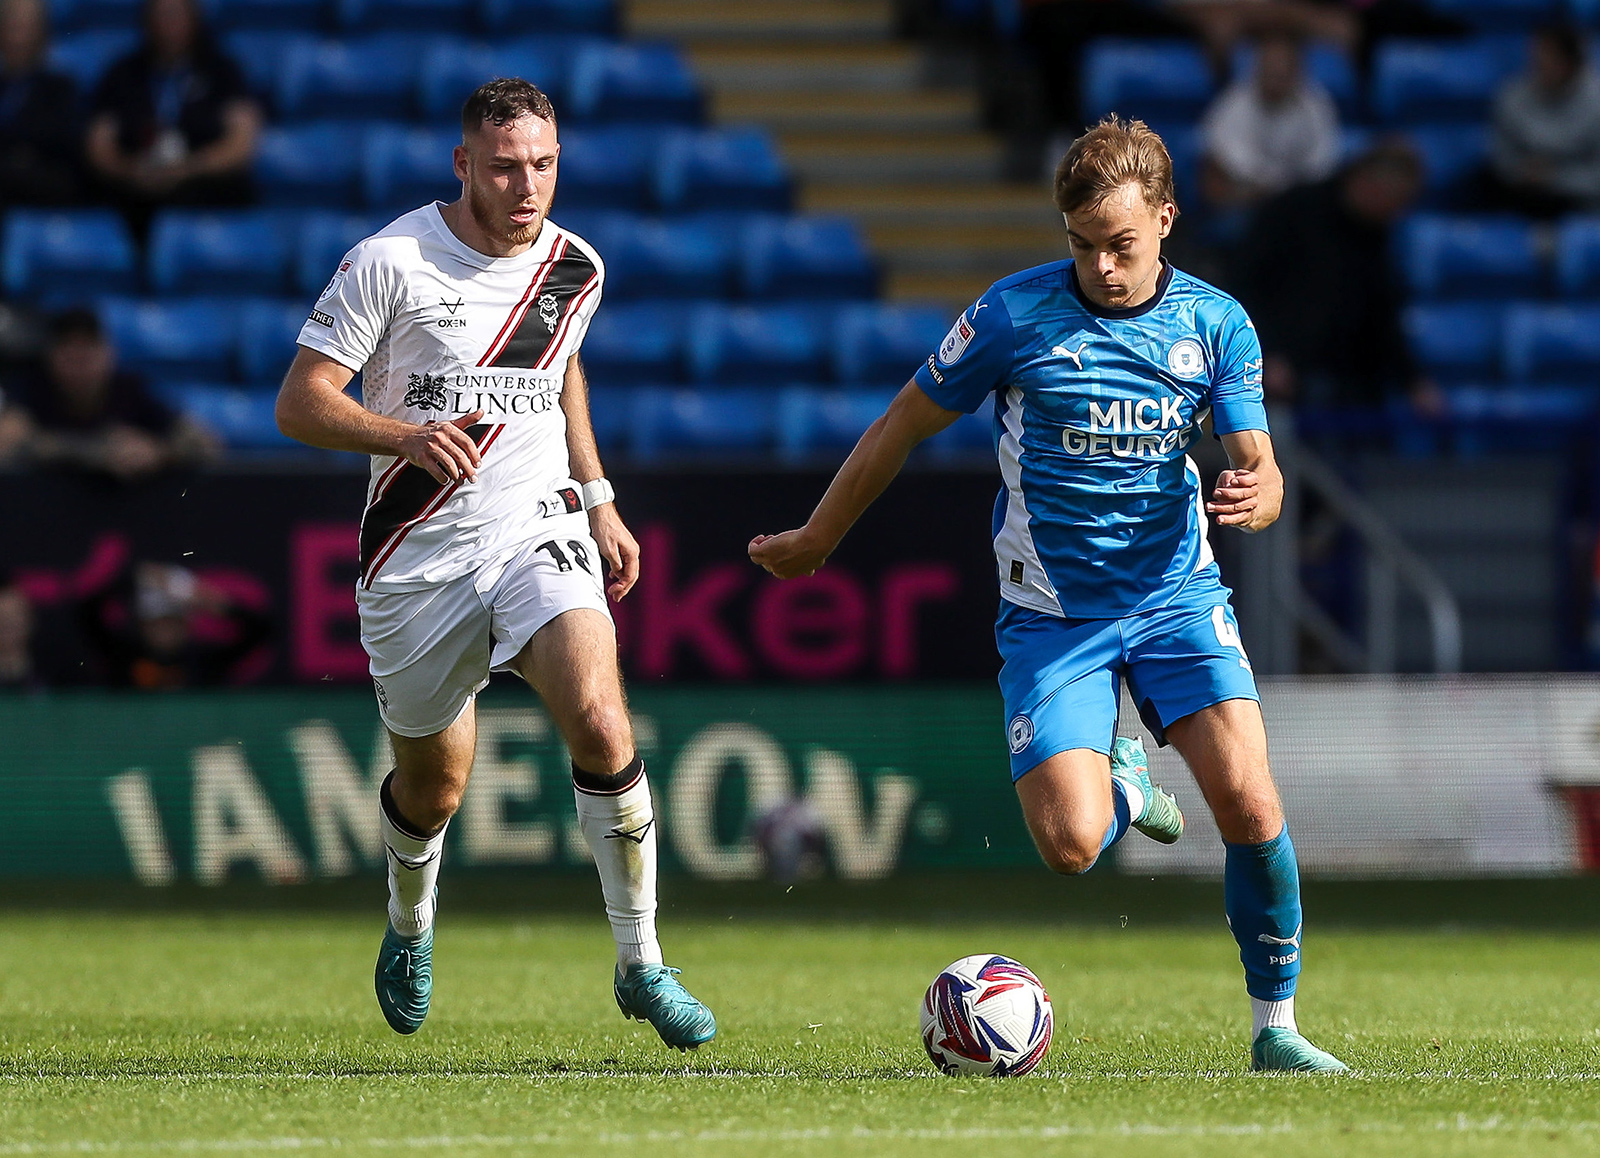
x=1186 y=359
x=426 y=391
x=955 y=342
x=549 y=311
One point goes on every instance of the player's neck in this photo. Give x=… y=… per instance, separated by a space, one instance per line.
x=459 y=220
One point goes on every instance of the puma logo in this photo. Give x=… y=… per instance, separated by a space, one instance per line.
x=637 y=835
x=1293 y=942
x=1075 y=355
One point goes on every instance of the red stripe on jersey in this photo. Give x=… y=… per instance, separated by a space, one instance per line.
x=520 y=310
x=566 y=322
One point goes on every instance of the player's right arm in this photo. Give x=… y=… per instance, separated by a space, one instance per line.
x=871 y=467
x=313 y=408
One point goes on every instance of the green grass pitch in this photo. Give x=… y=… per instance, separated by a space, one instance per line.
x=241 y=1033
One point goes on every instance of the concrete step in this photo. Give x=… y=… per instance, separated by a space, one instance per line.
x=800 y=67
x=713 y=20
x=865 y=158
x=967 y=247
x=934 y=205
x=913 y=112
x=954 y=291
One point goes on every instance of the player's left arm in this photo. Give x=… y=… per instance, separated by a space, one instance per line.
x=617 y=545
x=1250 y=494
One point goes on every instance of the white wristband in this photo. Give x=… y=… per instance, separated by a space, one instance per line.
x=598 y=492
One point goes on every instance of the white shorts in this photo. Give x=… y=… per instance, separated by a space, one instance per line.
x=431 y=651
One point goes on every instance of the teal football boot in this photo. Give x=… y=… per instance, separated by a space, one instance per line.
x=404 y=979
x=651 y=992
x=1285 y=1051
x=1161 y=819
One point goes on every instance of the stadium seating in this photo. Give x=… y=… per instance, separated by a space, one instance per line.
x=1506 y=15
x=267 y=333
x=84 y=55
x=968 y=435
x=373 y=77
x=64 y=256
x=633 y=82
x=757 y=345
x=311 y=165
x=1553 y=344
x=248 y=252
x=452 y=69
x=519 y=17
x=270 y=15
x=324 y=239
x=175 y=340
x=882 y=345
x=633 y=342
x=611 y=414
x=607 y=168
x=1457 y=341
x=812 y=421
x=1471 y=257
x=806 y=257
x=243 y=418
x=683 y=259
x=1578 y=257
x=77 y=15
x=1156 y=80
x=1417 y=82
x=1325 y=64
x=432 y=16
x=721 y=169
x=403 y=167
x=1450 y=155
x=667 y=422
x=261 y=53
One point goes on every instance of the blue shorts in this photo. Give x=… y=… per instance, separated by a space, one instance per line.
x=1060 y=675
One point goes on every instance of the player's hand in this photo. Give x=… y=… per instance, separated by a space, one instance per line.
x=444 y=449
x=1237 y=500
x=618 y=548
x=790 y=554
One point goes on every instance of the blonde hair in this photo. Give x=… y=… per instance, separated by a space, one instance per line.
x=1112 y=154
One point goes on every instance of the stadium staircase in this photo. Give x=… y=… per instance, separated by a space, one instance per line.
x=873 y=128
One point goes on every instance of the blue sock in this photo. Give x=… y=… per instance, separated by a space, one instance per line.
x=1120 y=818
x=1261 y=893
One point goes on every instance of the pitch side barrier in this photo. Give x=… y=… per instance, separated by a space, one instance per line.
x=1408 y=778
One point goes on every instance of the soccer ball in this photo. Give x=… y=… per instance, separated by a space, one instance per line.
x=986 y=1015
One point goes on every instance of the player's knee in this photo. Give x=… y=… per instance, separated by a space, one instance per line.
x=602 y=739
x=1069 y=856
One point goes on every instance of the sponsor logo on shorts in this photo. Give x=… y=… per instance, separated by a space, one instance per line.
x=1020 y=733
x=321 y=318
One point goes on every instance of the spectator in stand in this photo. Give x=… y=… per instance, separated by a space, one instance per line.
x=40 y=133
x=1545 y=156
x=1316 y=275
x=18 y=669
x=1270 y=130
x=83 y=412
x=173 y=122
x=143 y=630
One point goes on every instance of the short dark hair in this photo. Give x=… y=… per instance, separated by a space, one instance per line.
x=505 y=99
x=76 y=324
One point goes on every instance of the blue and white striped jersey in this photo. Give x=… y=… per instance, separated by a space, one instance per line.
x=1101 y=514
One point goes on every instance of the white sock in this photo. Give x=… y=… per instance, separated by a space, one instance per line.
x=1135 y=796
x=413 y=874
x=620 y=829
x=1271 y=1015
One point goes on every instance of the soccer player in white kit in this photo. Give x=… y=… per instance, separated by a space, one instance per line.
x=490 y=531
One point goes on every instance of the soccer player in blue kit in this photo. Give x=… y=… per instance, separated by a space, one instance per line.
x=1104 y=369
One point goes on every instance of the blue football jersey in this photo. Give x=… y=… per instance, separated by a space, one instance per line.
x=1101 y=514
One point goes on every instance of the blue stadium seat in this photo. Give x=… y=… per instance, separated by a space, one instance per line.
x=634 y=342
x=60 y=256
x=84 y=55
x=1417 y=81
x=1465 y=257
x=267 y=333
x=324 y=239
x=1503 y=15
x=197 y=338
x=757 y=345
x=1324 y=64
x=608 y=168
x=655 y=258
x=884 y=344
x=261 y=53
x=316 y=164
x=243 y=419
x=1578 y=257
x=449 y=17
x=969 y=437
x=1457 y=341
x=634 y=82
x=403 y=168
x=1185 y=146
x=304 y=16
x=1151 y=79
x=519 y=17
x=373 y=77
x=237 y=252
x=450 y=71
x=1450 y=155
x=806 y=257
x=611 y=414
x=737 y=421
x=1553 y=344
x=713 y=169
x=77 y=15
x=812 y=421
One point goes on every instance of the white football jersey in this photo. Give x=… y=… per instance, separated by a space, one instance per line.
x=439 y=330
